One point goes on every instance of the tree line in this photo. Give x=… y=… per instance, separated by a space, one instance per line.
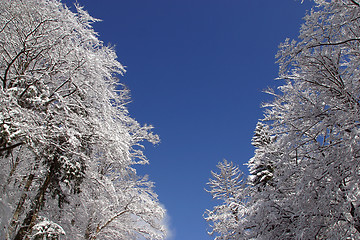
x=305 y=172
x=68 y=145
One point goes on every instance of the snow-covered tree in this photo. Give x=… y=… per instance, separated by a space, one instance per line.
x=305 y=176
x=67 y=143
x=261 y=166
x=229 y=186
x=314 y=190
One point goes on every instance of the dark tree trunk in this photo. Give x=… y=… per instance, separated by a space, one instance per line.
x=32 y=215
x=19 y=208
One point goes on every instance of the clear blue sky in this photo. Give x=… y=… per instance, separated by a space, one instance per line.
x=196 y=71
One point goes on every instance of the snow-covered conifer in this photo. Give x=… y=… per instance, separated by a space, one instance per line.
x=261 y=166
x=229 y=186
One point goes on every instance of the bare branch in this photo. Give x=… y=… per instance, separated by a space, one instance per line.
x=27 y=88
x=6 y=24
x=336 y=43
x=4 y=79
x=72 y=92
x=11 y=146
x=356 y=3
x=37 y=27
x=61 y=85
x=110 y=220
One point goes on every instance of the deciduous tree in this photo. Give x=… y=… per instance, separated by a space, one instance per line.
x=68 y=145
x=305 y=171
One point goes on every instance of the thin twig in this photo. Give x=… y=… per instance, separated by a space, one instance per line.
x=4 y=79
x=354 y=2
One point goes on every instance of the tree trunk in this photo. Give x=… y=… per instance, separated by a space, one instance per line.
x=32 y=215
x=88 y=231
x=19 y=208
x=355 y=215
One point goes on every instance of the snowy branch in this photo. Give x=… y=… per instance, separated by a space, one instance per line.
x=11 y=147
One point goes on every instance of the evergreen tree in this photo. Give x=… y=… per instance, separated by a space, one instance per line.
x=261 y=166
x=229 y=186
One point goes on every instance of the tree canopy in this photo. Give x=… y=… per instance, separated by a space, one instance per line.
x=68 y=145
x=304 y=175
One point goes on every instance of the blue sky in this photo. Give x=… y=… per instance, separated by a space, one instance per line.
x=196 y=70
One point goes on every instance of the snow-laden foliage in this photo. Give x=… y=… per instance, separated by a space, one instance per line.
x=315 y=118
x=230 y=189
x=67 y=143
x=46 y=230
x=261 y=166
x=305 y=173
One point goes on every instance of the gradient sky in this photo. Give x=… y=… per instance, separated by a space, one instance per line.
x=196 y=70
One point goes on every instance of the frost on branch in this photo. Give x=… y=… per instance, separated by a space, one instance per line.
x=229 y=186
x=68 y=145
x=312 y=190
x=304 y=175
x=261 y=166
x=46 y=230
